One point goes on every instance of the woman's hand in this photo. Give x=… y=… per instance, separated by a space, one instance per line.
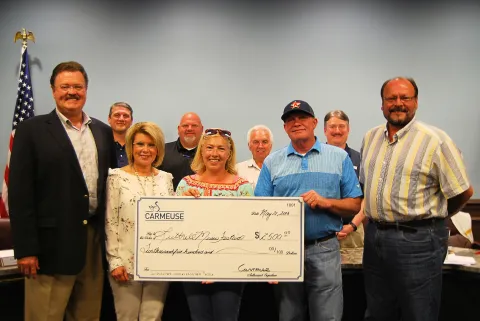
x=347 y=229
x=192 y=192
x=120 y=274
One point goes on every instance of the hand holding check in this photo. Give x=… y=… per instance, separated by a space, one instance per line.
x=313 y=199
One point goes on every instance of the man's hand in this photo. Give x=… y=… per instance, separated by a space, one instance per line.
x=313 y=199
x=28 y=266
x=347 y=229
x=192 y=192
x=120 y=274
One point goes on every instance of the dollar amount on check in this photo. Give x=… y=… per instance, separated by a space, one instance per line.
x=219 y=239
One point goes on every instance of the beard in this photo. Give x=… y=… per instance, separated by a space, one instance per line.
x=398 y=122
x=190 y=139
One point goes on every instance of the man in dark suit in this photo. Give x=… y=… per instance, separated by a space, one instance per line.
x=58 y=170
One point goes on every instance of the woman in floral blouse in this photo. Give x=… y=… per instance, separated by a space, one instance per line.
x=145 y=147
x=214 y=165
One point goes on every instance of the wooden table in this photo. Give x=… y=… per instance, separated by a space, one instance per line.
x=459 y=294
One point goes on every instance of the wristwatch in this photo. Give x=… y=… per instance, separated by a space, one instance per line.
x=353 y=225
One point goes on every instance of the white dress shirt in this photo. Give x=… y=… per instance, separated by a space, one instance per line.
x=86 y=149
x=249 y=170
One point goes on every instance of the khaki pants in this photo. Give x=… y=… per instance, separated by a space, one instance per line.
x=137 y=300
x=76 y=297
x=354 y=239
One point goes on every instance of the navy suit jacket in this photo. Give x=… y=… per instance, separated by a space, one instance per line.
x=48 y=196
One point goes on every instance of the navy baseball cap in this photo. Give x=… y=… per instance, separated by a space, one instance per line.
x=296 y=106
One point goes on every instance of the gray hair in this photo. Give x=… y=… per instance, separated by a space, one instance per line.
x=340 y=114
x=259 y=127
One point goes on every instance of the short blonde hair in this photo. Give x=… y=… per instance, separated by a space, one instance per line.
x=198 y=166
x=149 y=129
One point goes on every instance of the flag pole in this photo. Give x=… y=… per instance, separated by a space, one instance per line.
x=24 y=109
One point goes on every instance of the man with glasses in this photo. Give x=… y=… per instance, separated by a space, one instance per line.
x=58 y=171
x=120 y=118
x=413 y=177
x=336 y=126
x=323 y=176
x=179 y=154
x=260 y=141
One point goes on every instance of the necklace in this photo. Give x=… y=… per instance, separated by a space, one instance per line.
x=144 y=187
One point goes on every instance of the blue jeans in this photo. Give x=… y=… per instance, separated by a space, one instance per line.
x=213 y=302
x=321 y=293
x=403 y=272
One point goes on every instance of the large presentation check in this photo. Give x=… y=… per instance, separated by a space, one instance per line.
x=219 y=239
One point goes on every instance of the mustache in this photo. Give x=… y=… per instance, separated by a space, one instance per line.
x=77 y=97
x=397 y=109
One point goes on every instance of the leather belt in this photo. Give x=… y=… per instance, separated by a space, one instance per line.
x=321 y=239
x=406 y=225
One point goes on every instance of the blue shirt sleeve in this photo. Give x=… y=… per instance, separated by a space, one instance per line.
x=349 y=185
x=264 y=185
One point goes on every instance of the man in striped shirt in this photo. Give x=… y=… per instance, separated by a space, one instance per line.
x=413 y=177
x=324 y=177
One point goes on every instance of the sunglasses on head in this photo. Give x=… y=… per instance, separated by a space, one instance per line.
x=215 y=131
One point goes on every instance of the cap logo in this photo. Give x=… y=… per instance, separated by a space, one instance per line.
x=295 y=104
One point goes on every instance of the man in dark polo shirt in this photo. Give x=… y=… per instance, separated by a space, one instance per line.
x=120 y=118
x=336 y=127
x=179 y=154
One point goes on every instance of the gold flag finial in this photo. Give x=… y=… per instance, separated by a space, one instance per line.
x=24 y=36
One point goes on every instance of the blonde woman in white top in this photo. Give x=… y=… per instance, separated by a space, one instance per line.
x=145 y=147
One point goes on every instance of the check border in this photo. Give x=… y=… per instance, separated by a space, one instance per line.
x=301 y=262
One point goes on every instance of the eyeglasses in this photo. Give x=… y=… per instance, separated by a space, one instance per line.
x=65 y=88
x=142 y=145
x=404 y=99
x=218 y=131
x=340 y=127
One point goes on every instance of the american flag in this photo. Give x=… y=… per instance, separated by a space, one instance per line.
x=23 y=111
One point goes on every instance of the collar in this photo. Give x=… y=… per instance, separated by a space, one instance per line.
x=402 y=132
x=182 y=149
x=348 y=149
x=251 y=163
x=316 y=146
x=86 y=119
